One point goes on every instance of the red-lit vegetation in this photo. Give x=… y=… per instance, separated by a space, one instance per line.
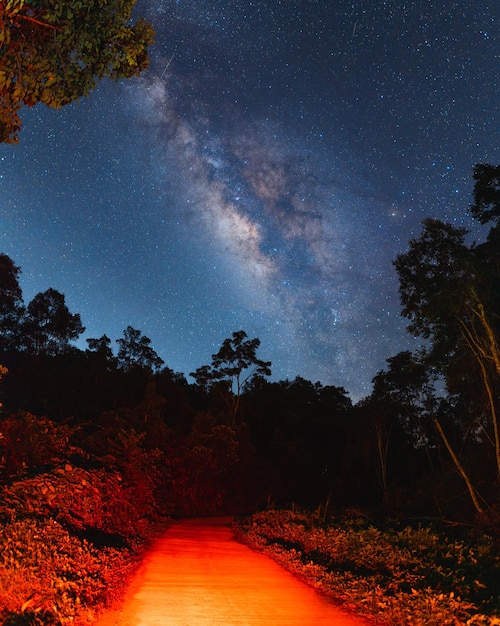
x=401 y=575
x=73 y=521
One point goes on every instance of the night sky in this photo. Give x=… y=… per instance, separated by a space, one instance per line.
x=262 y=175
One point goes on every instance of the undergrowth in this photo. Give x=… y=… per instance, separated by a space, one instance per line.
x=71 y=531
x=399 y=576
x=48 y=576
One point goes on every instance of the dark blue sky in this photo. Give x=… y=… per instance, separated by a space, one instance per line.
x=262 y=175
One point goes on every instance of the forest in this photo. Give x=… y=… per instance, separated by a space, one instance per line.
x=99 y=447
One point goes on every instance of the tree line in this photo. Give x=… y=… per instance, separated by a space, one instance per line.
x=425 y=442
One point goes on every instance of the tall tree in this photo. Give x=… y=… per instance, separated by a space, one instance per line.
x=449 y=291
x=49 y=326
x=234 y=365
x=55 y=51
x=406 y=400
x=434 y=278
x=135 y=350
x=11 y=303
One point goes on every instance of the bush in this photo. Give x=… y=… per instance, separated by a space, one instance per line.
x=48 y=576
x=71 y=529
x=27 y=441
x=402 y=575
x=96 y=499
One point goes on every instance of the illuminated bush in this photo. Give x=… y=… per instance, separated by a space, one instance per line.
x=403 y=576
x=51 y=577
x=97 y=499
x=72 y=523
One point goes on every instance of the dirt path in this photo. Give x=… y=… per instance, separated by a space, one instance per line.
x=197 y=575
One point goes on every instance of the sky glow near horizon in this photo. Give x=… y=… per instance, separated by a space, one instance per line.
x=262 y=175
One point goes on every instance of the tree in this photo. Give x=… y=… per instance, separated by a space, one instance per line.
x=49 y=326
x=135 y=350
x=11 y=303
x=406 y=396
x=483 y=343
x=409 y=388
x=434 y=277
x=55 y=51
x=486 y=206
x=233 y=366
x=449 y=291
x=101 y=347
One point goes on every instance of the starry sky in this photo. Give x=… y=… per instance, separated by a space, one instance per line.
x=261 y=175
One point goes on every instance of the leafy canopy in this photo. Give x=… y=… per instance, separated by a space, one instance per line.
x=55 y=51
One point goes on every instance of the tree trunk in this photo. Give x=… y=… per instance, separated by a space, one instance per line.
x=485 y=349
x=460 y=468
x=382 y=447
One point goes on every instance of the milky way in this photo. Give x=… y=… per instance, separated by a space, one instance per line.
x=262 y=175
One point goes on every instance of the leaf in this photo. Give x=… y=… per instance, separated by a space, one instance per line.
x=27 y=605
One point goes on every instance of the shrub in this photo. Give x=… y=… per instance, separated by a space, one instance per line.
x=76 y=497
x=48 y=576
x=403 y=575
x=27 y=441
x=71 y=530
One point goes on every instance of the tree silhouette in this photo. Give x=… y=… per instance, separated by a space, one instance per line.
x=233 y=366
x=48 y=325
x=449 y=291
x=101 y=347
x=11 y=304
x=486 y=206
x=434 y=276
x=135 y=350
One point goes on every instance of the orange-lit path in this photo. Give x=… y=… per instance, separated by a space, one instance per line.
x=196 y=574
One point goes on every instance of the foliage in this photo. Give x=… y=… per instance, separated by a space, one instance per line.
x=11 y=303
x=28 y=442
x=73 y=522
x=49 y=576
x=89 y=501
x=101 y=347
x=135 y=350
x=210 y=457
x=55 y=51
x=434 y=277
x=400 y=575
x=486 y=206
x=48 y=325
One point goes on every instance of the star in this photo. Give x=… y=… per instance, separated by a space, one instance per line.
x=261 y=175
